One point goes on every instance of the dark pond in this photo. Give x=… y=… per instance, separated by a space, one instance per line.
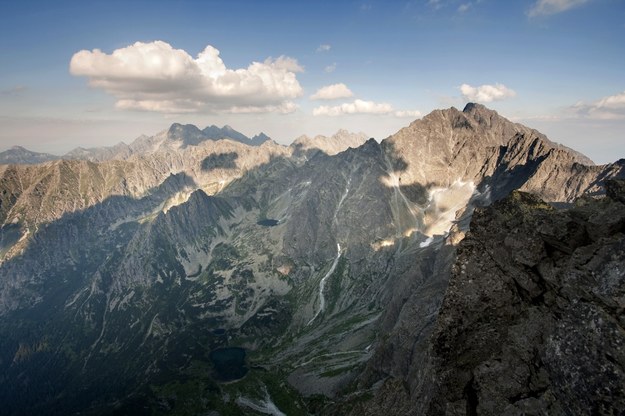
x=219 y=331
x=229 y=363
x=268 y=222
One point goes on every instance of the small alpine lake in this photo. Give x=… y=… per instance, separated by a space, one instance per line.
x=229 y=363
x=268 y=222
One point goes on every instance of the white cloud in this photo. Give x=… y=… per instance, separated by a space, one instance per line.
x=355 y=107
x=330 y=68
x=156 y=77
x=408 y=113
x=324 y=48
x=363 y=107
x=611 y=107
x=332 y=92
x=464 y=7
x=486 y=93
x=548 y=7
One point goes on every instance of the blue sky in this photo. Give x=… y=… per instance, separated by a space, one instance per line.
x=556 y=65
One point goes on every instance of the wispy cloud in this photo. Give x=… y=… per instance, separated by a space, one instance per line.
x=156 y=77
x=435 y=4
x=17 y=90
x=486 y=93
x=363 y=107
x=332 y=92
x=611 y=107
x=330 y=68
x=324 y=48
x=549 y=7
x=464 y=7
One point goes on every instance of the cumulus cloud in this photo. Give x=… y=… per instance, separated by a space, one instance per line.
x=156 y=77
x=486 y=93
x=355 y=107
x=548 y=7
x=611 y=107
x=324 y=48
x=362 y=107
x=332 y=92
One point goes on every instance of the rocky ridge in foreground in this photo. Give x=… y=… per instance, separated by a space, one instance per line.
x=532 y=321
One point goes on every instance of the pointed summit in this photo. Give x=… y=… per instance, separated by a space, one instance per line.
x=470 y=107
x=226 y=132
x=259 y=139
x=189 y=134
x=332 y=145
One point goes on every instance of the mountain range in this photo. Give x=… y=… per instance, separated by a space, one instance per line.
x=338 y=265
x=177 y=135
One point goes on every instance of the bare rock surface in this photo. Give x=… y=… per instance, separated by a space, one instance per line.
x=532 y=321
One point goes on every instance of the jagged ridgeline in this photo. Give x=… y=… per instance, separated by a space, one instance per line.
x=200 y=271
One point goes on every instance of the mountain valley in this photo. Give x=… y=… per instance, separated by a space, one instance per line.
x=357 y=276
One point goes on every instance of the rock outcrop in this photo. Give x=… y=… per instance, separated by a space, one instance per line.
x=532 y=321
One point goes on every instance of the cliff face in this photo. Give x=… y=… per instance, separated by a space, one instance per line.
x=532 y=321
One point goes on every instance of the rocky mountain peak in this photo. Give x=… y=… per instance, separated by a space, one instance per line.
x=259 y=139
x=188 y=134
x=483 y=115
x=21 y=155
x=339 y=141
x=226 y=132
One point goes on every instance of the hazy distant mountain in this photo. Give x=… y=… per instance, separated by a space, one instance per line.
x=118 y=151
x=177 y=136
x=226 y=132
x=259 y=139
x=21 y=156
x=327 y=263
x=332 y=145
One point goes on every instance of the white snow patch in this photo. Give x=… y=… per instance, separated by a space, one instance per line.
x=443 y=205
x=378 y=245
x=266 y=406
x=427 y=242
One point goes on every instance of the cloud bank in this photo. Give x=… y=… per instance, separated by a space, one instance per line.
x=156 y=77
x=611 y=107
x=332 y=92
x=486 y=93
x=548 y=7
x=363 y=107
